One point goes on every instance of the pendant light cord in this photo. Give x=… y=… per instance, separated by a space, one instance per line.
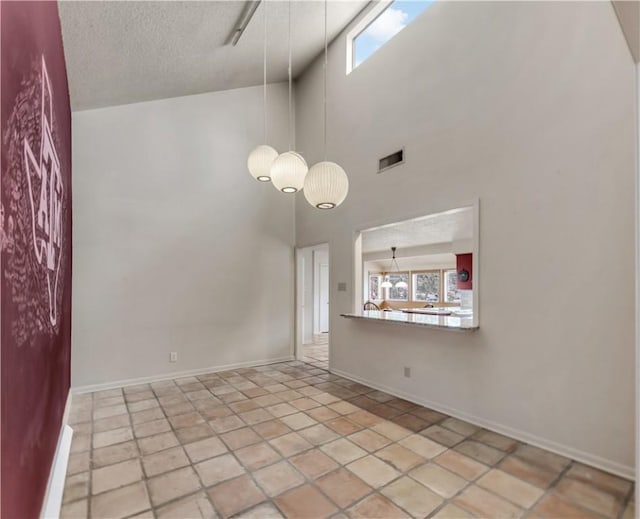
x=264 y=71
x=325 y=79
x=290 y=111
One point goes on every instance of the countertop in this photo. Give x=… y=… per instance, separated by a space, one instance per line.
x=460 y=324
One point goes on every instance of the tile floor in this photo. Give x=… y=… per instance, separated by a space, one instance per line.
x=316 y=354
x=293 y=440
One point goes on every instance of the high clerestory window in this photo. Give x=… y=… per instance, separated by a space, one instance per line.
x=378 y=26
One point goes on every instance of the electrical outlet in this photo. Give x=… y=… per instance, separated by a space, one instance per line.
x=407 y=372
x=173 y=356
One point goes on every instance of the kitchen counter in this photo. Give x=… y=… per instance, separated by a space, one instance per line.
x=460 y=324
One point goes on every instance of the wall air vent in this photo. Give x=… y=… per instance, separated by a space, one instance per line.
x=391 y=160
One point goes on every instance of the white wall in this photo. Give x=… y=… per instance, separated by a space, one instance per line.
x=176 y=247
x=528 y=106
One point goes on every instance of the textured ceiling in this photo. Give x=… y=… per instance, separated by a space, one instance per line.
x=438 y=228
x=125 y=52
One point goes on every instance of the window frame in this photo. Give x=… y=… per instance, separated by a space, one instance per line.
x=380 y=276
x=361 y=26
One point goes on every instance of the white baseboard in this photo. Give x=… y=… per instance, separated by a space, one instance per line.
x=177 y=374
x=612 y=467
x=55 y=486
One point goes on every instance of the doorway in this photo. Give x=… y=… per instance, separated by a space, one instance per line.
x=312 y=308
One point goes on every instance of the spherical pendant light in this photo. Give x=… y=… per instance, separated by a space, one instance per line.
x=326 y=185
x=288 y=172
x=259 y=162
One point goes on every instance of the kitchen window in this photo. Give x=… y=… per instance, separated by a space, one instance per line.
x=398 y=293
x=451 y=293
x=426 y=286
x=375 y=292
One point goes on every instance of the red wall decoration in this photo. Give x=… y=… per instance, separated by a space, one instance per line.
x=465 y=261
x=35 y=238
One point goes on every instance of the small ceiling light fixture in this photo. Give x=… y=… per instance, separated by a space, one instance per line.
x=386 y=283
x=289 y=169
x=326 y=185
x=261 y=158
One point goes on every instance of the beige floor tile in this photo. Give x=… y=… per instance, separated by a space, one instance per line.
x=164 y=461
x=197 y=506
x=263 y=511
x=373 y=471
x=205 y=449
x=106 y=412
x=462 y=465
x=343 y=451
x=178 y=409
x=364 y=418
x=305 y=502
x=75 y=510
x=267 y=401
x=538 y=476
x=443 y=436
x=298 y=421
x=412 y=497
x=108 y=402
x=459 y=426
x=540 y=457
x=147 y=415
x=174 y=484
x=290 y=444
x=391 y=430
x=151 y=428
x=282 y=409
x=112 y=422
x=256 y=456
x=369 y=440
x=343 y=407
x=553 y=507
x=115 y=476
x=314 y=463
x=400 y=457
x=236 y=495
x=441 y=481
x=227 y=423
x=343 y=487
x=450 y=511
x=429 y=415
x=104 y=439
x=304 y=403
x=495 y=440
x=186 y=420
x=256 y=416
x=589 y=496
x=240 y=438
x=480 y=452
x=485 y=504
x=157 y=443
x=608 y=483
x=512 y=489
x=142 y=405
x=318 y=434
x=276 y=479
x=194 y=433
x=80 y=443
x=76 y=487
x=343 y=426
x=78 y=462
x=376 y=507
x=121 y=502
x=422 y=446
x=216 y=470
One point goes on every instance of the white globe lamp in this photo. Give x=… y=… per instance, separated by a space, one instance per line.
x=288 y=172
x=326 y=185
x=259 y=162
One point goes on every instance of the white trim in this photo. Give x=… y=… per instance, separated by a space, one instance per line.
x=612 y=467
x=637 y=220
x=377 y=8
x=55 y=486
x=177 y=374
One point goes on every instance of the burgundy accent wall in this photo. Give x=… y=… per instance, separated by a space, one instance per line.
x=464 y=261
x=35 y=239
